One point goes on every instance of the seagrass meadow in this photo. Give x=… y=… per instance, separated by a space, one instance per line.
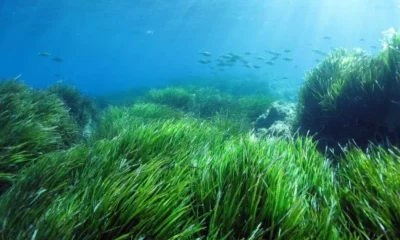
x=184 y=161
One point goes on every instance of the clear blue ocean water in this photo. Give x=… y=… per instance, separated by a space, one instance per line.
x=113 y=45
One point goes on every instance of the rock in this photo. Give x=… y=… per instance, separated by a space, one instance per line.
x=278 y=120
x=88 y=129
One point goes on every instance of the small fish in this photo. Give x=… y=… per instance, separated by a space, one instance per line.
x=274 y=58
x=202 y=61
x=44 y=54
x=273 y=53
x=57 y=59
x=227 y=56
x=296 y=66
x=317 y=60
x=206 y=54
x=288 y=59
x=236 y=57
x=149 y=32
x=17 y=77
x=57 y=75
x=320 y=52
x=362 y=39
x=249 y=65
x=287 y=50
x=327 y=37
x=257 y=66
x=374 y=47
x=221 y=69
x=212 y=67
x=271 y=63
x=247 y=53
x=285 y=78
x=260 y=58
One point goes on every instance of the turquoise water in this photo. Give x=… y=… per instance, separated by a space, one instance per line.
x=108 y=46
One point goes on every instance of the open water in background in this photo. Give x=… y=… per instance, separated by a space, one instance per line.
x=113 y=45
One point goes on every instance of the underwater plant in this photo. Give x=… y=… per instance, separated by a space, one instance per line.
x=202 y=97
x=81 y=107
x=176 y=97
x=36 y=187
x=253 y=189
x=121 y=98
x=154 y=171
x=207 y=102
x=231 y=84
x=369 y=192
x=33 y=123
x=135 y=184
x=253 y=106
x=99 y=193
x=353 y=96
x=174 y=179
x=116 y=119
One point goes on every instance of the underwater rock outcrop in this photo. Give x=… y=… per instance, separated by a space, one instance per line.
x=353 y=96
x=277 y=121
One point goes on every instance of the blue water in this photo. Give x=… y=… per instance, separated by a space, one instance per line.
x=120 y=44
